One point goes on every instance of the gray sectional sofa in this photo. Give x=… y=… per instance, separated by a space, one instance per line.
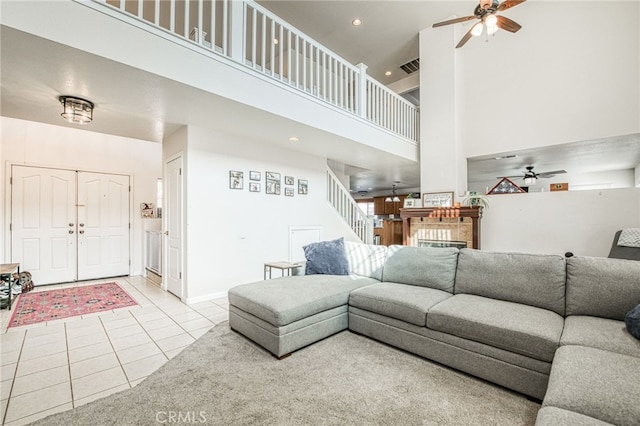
x=548 y=327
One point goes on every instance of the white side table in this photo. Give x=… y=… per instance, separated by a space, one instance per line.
x=285 y=267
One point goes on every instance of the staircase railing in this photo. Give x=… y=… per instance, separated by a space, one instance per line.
x=340 y=198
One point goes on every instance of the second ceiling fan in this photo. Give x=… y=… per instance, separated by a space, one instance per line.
x=486 y=12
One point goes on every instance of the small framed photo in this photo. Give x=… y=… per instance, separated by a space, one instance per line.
x=288 y=192
x=437 y=199
x=272 y=186
x=273 y=175
x=147 y=210
x=289 y=180
x=303 y=186
x=412 y=203
x=254 y=186
x=236 y=179
x=254 y=175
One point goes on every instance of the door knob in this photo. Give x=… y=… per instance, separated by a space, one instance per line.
x=81 y=224
x=71 y=231
x=166 y=233
x=70 y=224
x=82 y=231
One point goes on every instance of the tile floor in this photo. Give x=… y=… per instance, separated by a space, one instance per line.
x=58 y=365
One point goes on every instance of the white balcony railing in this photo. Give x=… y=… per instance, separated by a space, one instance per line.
x=254 y=37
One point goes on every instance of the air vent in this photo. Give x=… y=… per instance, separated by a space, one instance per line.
x=411 y=66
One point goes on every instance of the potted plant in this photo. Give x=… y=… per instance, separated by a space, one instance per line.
x=472 y=198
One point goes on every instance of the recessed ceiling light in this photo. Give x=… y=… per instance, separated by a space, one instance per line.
x=294 y=138
x=356 y=22
x=388 y=73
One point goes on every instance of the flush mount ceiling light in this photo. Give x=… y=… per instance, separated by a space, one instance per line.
x=356 y=22
x=293 y=139
x=388 y=73
x=76 y=110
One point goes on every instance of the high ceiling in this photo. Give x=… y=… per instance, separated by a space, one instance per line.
x=32 y=69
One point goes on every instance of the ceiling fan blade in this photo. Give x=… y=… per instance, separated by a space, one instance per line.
x=507 y=24
x=510 y=177
x=551 y=174
x=466 y=38
x=509 y=4
x=454 y=21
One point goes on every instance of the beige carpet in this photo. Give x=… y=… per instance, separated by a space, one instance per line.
x=224 y=379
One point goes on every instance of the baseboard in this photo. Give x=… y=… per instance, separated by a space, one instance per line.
x=205 y=298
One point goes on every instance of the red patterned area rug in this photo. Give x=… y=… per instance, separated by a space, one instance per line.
x=51 y=305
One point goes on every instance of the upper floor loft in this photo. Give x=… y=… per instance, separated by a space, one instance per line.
x=225 y=63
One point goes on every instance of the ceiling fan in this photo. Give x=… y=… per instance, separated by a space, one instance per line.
x=486 y=12
x=530 y=177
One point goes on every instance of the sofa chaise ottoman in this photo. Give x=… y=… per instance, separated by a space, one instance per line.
x=288 y=313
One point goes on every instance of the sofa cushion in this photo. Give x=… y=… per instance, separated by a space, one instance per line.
x=602 y=287
x=514 y=327
x=281 y=301
x=535 y=280
x=595 y=383
x=405 y=302
x=421 y=266
x=554 y=416
x=601 y=333
x=632 y=321
x=365 y=259
x=326 y=257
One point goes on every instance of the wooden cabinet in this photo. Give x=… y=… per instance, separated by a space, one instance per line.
x=391 y=232
x=382 y=207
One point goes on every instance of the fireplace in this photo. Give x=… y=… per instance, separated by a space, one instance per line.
x=441 y=227
x=442 y=243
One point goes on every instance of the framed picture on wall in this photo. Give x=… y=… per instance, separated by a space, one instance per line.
x=272 y=186
x=236 y=179
x=254 y=186
x=254 y=175
x=289 y=180
x=303 y=186
x=288 y=192
x=437 y=199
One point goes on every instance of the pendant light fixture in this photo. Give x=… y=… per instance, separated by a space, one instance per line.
x=393 y=198
x=76 y=110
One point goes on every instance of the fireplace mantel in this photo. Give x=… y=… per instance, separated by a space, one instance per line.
x=447 y=224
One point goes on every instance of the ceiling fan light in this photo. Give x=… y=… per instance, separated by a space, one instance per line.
x=492 y=29
x=477 y=29
x=388 y=200
x=491 y=20
x=529 y=180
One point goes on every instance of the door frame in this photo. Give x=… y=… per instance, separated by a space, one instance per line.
x=165 y=217
x=8 y=194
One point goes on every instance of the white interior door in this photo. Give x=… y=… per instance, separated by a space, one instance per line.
x=103 y=225
x=68 y=225
x=43 y=223
x=173 y=226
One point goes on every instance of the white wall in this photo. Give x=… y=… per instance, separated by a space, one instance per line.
x=232 y=233
x=570 y=74
x=37 y=144
x=582 y=222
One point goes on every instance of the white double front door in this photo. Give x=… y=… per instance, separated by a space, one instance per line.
x=69 y=225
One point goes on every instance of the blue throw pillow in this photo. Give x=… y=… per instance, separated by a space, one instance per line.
x=632 y=320
x=326 y=257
